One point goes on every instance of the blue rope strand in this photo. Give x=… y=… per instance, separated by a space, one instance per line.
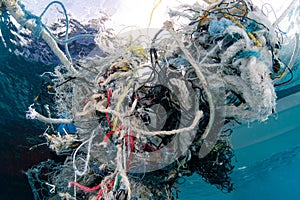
x=244 y=54
x=64 y=41
x=39 y=25
x=67 y=23
x=98 y=170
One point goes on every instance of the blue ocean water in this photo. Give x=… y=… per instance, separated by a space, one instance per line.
x=20 y=83
x=273 y=176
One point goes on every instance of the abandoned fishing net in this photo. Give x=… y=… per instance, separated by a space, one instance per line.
x=136 y=119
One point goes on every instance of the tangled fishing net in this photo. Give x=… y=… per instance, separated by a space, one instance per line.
x=134 y=121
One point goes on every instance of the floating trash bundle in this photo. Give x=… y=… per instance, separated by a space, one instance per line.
x=135 y=120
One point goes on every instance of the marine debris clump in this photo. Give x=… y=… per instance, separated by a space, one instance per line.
x=135 y=121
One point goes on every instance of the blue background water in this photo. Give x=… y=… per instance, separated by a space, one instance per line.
x=274 y=176
x=20 y=82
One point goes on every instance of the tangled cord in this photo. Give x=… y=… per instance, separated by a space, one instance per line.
x=147 y=116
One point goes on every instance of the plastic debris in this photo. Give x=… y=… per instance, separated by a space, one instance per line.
x=142 y=117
